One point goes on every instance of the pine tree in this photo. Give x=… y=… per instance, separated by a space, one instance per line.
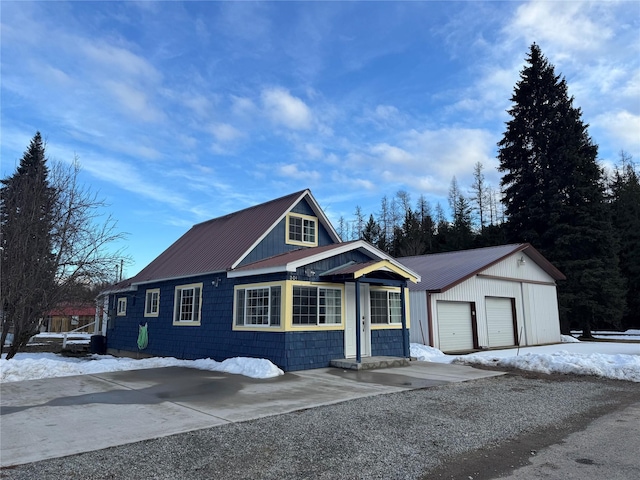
x=554 y=195
x=28 y=264
x=625 y=205
x=371 y=232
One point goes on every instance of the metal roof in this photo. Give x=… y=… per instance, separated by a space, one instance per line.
x=442 y=271
x=218 y=244
x=289 y=261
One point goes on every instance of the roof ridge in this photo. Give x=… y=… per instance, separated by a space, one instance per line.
x=465 y=250
x=231 y=214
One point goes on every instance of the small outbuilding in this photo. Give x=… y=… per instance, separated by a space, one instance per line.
x=484 y=298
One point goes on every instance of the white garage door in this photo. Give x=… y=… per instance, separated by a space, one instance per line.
x=500 y=322
x=454 y=326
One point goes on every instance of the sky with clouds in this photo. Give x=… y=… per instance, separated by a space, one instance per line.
x=184 y=111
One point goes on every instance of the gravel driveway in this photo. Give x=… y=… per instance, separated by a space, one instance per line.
x=408 y=435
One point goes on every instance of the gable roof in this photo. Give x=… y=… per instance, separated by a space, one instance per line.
x=290 y=261
x=442 y=271
x=222 y=243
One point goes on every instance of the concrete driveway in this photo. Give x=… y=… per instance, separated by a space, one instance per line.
x=55 y=417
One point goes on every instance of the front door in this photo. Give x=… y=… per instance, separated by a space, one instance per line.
x=364 y=324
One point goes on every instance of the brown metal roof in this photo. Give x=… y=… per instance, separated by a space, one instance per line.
x=215 y=245
x=442 y=271
x=294 y=255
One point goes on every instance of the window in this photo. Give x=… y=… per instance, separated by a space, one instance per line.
x=122 y=306
x=258 y=306
x=188 y=303
x=152 y=303
x=316 y=305
x=386 y=307
x=302 y=229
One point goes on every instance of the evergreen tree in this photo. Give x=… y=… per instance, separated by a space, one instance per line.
x=371 y=232
x=625 y=205
x=443 y=230
x=28 y=264
x=461 y=234
x=409 y=238
x=427 y=225
x=554 y=195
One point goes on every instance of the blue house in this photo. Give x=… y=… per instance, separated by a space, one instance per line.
x=271 y=281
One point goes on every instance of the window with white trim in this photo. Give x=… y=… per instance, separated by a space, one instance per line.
x=188 y=304
x=258 y=306
x=152 y=303
x=316 y=305
x=122 y=306
x=386 y=307
x=302 y=229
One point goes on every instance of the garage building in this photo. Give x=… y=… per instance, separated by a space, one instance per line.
x=484 y=298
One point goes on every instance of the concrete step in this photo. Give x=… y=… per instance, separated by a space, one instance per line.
x=369 y=363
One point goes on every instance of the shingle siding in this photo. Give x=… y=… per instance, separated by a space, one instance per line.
x=275 y=241
x=215 y=338
x=387 y=342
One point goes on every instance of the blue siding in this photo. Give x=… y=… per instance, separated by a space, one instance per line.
x=274 y=243
x=387 y=343
x=215 y=338
x=313 y=349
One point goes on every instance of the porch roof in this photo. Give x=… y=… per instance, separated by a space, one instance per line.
x=290 y=261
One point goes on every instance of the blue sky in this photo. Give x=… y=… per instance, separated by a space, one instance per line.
x=182 y=112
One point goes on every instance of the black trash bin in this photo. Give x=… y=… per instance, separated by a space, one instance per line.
x=98 y=344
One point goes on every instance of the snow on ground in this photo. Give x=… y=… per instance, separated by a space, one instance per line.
x=628 y=335
x=620 y=361
x=605 y=359
x=32 y=366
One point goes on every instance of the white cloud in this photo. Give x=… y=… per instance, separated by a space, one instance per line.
x=223 y=132
x=569 y=26
x=312 y=151
x=621 y=125
x=127 y=177
x=119 y=61
x=285 y=109
x=292 y=170
x=389 y=153
x=242 y=106
x=135 y=101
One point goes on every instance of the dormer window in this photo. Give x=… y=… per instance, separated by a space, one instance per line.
x=302 y=230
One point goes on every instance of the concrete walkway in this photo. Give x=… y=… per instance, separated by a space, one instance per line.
x=55 y=417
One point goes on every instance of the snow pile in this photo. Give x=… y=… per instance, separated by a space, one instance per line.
x=25 y=366
x=620 y=361
x=426 y=354
x=617 y=367
x=568 y=339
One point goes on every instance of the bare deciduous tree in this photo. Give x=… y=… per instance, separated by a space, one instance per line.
x=54 y=238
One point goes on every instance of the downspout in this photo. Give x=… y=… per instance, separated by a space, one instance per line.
x=403 y=307
x=430 y=320
x=358 y=320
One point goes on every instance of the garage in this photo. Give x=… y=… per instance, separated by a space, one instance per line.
x=491 y=297
x=500 y=322
x=456 y=330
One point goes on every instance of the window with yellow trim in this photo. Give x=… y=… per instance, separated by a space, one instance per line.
x=187 y=305
x=258 y=306
x=386 y=307
x=122 y=306
x=316 y=305
x=302 y=229
x=152 y=303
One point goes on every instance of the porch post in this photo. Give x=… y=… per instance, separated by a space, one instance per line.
x=358 y=320
x=405 y=347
